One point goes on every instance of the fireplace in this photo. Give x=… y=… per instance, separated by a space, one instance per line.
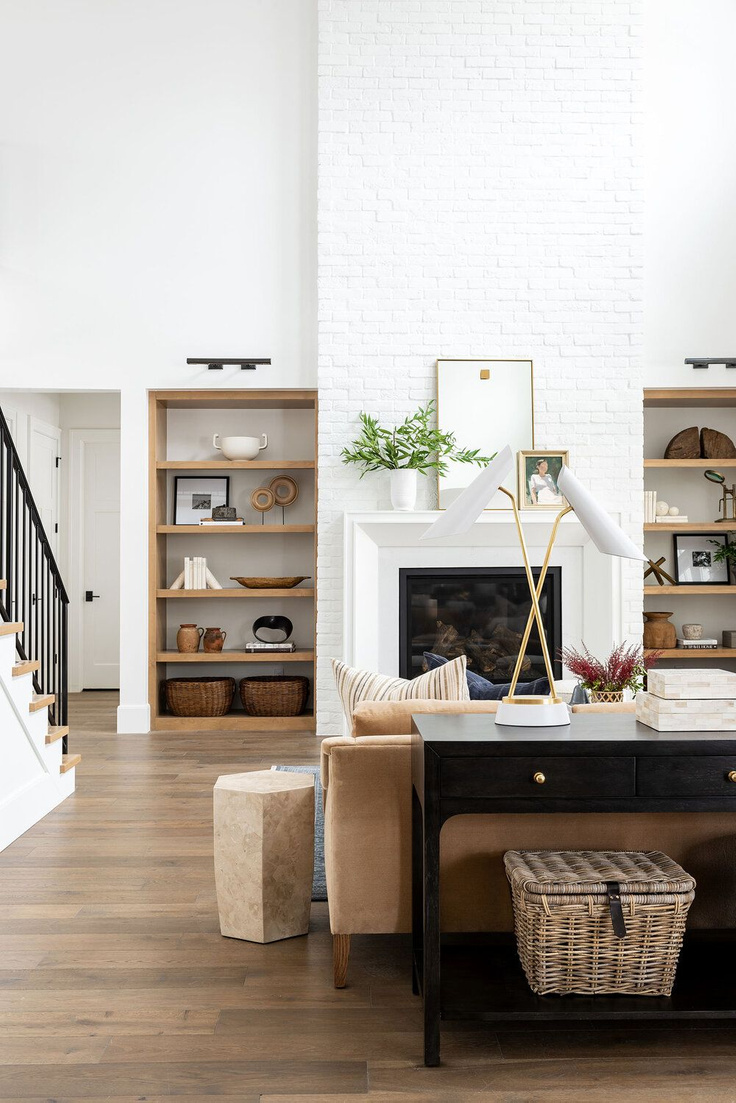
x=480 y=612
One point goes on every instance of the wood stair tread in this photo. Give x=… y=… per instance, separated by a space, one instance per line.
x=68 y=762
x=10 y=627
x=25 y=666
x=41 y=701
x=56 y=732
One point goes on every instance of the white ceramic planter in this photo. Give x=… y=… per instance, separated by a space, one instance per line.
x=404 y=489
x=239 y=448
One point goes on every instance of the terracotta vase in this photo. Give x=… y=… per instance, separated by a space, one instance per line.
x=659 y=634
x=214 y=638
x=188 y=637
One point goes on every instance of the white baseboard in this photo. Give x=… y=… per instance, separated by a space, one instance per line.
x=29 y=804
x=134 y=719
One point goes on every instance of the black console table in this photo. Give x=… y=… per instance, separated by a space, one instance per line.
x=465 y=764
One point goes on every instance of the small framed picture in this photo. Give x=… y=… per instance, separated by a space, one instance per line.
x=538 y=475
x=195 y=497
x=697 y=559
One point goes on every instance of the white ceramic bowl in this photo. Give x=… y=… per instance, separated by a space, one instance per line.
x=239 y=448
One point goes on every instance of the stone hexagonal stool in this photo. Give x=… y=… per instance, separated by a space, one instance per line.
x=264 y=854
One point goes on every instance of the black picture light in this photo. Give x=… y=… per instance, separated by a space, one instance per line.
x=706 y=361
x=248 y=363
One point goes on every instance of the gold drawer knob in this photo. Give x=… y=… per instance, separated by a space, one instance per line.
x=731 y=775
x=540 y=778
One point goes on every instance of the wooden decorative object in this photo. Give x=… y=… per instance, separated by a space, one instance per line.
x=270 y=582
x=659 y=634
x=606 y=696
x=655 y=567
x=716 y=446
x=285 y=489
x=685 y=445
x=263 y=499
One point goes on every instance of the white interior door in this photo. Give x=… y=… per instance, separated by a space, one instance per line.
x=44 y=450
x=100 y=566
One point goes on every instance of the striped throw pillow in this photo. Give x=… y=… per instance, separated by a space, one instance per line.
x=446 y=683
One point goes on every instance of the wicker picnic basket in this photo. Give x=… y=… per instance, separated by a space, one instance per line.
x=274 y=694
x=598 y=921
x=199 y=696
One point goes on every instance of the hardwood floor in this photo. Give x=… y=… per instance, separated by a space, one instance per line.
x=115 y=983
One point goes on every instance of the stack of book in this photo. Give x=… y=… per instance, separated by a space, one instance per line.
x=672 y=519
x=195 y=576
x=209 y=521
x=705 y=644
x=258 y=645
x=650 y=506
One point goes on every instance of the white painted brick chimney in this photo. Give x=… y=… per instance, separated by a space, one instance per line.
x=480 y=194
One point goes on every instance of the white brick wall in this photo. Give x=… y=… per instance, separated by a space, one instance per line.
x=479 y=195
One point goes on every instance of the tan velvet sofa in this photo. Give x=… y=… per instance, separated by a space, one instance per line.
x=367 y=783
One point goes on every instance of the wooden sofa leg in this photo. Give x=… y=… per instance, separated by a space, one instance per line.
x=340 y=958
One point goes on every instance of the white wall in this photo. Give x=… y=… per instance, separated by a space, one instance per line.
x=157 y=183
x=690 y=227
x=479 y=195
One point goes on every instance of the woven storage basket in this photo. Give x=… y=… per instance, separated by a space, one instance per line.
x=563 y=918
x=274 y=694
x=199 y=696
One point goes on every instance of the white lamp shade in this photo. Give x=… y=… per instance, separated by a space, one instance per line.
x=469 y=505
x=605 y=533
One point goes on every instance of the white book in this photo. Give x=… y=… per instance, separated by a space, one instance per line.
x=201 y=576
x=178 y=582
x=667 y=520
x=187 y=573
x=696 y=643
x=212 y=581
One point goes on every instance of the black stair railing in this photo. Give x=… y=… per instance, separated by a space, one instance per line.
x=34 y=591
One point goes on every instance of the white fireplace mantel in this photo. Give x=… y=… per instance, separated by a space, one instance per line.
x=378 y=544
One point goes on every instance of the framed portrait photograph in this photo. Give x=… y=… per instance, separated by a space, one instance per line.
x=538 y=474
x=695 y=559
x=196 y=496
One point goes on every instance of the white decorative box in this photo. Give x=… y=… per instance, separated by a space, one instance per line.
x=695 y=715
x=681 y=684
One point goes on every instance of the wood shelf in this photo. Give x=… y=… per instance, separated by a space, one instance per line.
x=688 y=591
x=235 y=722
x=229 y=530
x=691 y=526
x=235 y=465
x=230 y=591
x=684 y=397
x=235 y=657
x=696 y=653
x=699 y=465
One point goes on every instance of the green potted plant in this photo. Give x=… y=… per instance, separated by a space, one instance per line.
x=606 y=679
x=727 y=552
x=413 y=446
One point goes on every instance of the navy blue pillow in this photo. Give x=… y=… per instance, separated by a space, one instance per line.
x=480 y=689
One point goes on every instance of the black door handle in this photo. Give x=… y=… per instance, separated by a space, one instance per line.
x=89 y=596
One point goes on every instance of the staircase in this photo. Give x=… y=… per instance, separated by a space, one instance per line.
x=36 y=771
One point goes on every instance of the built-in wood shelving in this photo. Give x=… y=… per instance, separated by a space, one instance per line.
x=703 y=465
x=693 y=590
x=689 y=397
x=161 y=531
x=302 y=656
x=235 y=465
x=228 y=592
x=697 y=653
x=690 y=526
x=231 y=530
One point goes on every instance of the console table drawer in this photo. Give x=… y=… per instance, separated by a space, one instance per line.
x=540 y=777
x=687 y=776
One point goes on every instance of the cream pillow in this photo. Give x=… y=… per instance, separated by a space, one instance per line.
x=445 y=683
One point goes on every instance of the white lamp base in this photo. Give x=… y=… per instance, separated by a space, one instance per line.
x=533 y=712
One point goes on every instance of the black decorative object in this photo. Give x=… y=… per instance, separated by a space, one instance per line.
x=248 y=364
x=280 y=625
x=706 y=361
x=224 y=513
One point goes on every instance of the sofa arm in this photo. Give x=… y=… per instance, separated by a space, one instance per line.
x=367 y=834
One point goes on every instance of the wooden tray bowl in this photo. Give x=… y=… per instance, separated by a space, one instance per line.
x=270 y=583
